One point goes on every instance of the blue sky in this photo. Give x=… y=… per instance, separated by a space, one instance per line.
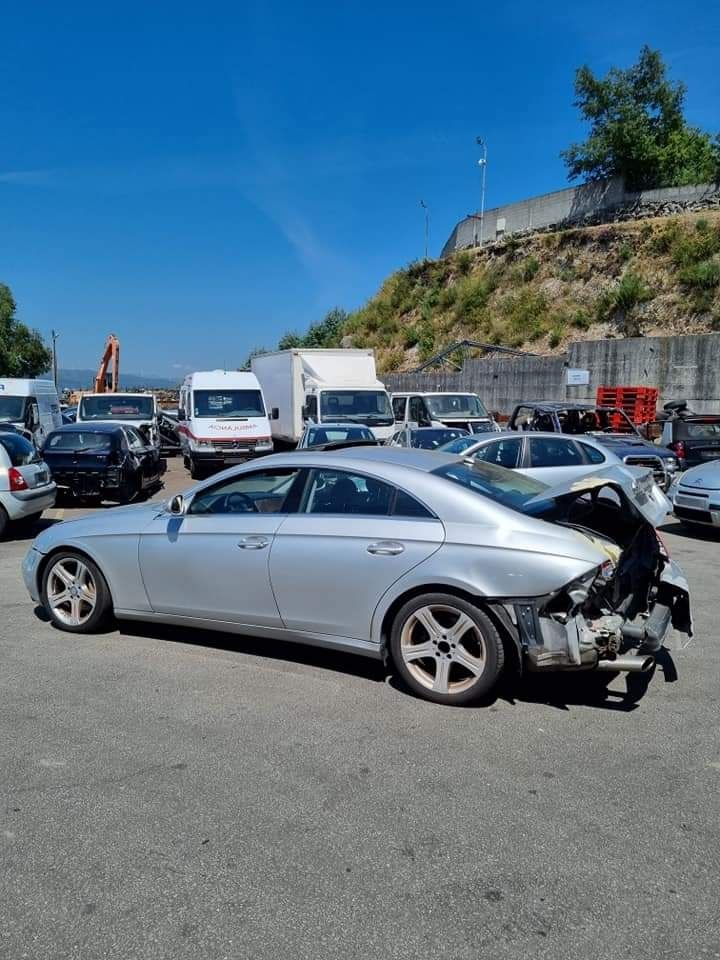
x=199 y=178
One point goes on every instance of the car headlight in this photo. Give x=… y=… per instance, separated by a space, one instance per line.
x=672 y=464
x=264 y=445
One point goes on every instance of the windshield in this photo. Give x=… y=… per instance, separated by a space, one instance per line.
x=365 y=406
x=586 y=421
x=12 y=409
x=20 y=450
x=117 y=406
x=227 y=404
x=508 y=487
x=699 y=429
x=459 y=445
x=455 y=405
x=79 y=441
x=431 y=439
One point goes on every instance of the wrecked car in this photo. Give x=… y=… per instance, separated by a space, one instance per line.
x=444 y=567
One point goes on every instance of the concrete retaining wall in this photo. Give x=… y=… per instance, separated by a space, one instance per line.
x=685 y=368
x=598 y=202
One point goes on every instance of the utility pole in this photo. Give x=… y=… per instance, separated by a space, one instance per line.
x=427 y=225
x=54 y=356
x=482 y=163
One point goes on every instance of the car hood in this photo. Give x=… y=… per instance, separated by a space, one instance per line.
x=707 y=476
x=642 y=492
x=124 y=521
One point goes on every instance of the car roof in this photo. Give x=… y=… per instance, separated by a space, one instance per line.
x=565 y=405
x=435 y=429
x=336 y=425
x=83 y=426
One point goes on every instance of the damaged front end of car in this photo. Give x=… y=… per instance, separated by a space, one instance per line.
x=616 y=617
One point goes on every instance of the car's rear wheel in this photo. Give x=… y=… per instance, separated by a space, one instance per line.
x=446 y=649
x=4 y=522
x=75 y=593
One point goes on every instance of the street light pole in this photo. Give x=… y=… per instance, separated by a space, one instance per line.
x=482 y=163
x=427 y=225
x=54 y=356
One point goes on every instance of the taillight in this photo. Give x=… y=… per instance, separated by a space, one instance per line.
x=679 y=448
x=17 y=480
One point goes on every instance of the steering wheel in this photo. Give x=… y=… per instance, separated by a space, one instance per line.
x=240 y=503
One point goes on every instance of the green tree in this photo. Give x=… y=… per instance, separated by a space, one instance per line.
x=22 y=350
x=289 y=340
x=327 y=332
x=638 y=129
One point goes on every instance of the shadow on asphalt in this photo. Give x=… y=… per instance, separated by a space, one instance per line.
x=691 y=531
x=559 y=691
x=26 y=533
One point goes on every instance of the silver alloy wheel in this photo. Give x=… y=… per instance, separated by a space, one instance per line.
x=71 y=591
x=443 y=648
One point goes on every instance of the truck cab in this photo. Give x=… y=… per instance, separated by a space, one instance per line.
x=31 y=406
x=222 y=420
x=139 y=410
x=463 y=410
x=366 y=406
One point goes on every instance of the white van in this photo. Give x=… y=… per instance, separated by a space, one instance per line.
x=222 y=420
x=30 y=405
x=139 y=410
x=442 y=409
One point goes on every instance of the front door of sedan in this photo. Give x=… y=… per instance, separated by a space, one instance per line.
x=212 y=563
x=353 y=537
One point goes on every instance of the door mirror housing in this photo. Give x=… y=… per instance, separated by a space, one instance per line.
x=304 y=413
x=176 y=505
x=181 y=414
x=33 y=416
x=275 y=413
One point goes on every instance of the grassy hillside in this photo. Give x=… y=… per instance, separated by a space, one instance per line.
x=649 y=277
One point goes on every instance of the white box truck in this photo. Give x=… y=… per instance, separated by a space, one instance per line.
x=30 y=405
x=322 y=386
x=222 y=420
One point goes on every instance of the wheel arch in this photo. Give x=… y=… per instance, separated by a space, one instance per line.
x=493 y=608
x=65 y=548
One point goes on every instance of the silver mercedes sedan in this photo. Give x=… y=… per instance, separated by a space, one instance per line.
x=444 y=567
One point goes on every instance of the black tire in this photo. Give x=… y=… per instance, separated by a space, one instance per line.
x=4 y=522
x=103 y=600
x=196 y=471
x=484 y=645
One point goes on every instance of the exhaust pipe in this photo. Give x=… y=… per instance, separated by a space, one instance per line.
x=628 y=664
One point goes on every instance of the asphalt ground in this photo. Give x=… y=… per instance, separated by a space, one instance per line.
x=175 y=794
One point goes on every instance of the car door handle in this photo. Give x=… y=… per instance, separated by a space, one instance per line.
x=385 y=548
x=253 y=543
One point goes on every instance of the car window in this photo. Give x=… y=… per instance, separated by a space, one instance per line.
x=417 y=413
x=338 y=491
x=19 y=450
x=398 y=406
x=263 y=491
x=505 y=453
x=593 y=455
x=79 y=441
x=135 y=441
x=407 y=506
x=553 y=452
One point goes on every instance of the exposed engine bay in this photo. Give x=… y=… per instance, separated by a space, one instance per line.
x=617 y=616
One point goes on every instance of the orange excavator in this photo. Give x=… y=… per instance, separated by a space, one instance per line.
x=111 y=355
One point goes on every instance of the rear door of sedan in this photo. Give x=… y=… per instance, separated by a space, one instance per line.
x=353 y=536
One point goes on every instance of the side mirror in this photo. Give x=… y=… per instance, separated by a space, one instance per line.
x=304 y=413
x=34 y=416
x=275 y=414
x=176 y=506
x=181 y=414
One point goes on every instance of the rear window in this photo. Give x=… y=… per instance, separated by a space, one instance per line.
x=79 y=441
x=699 y=429
x=432 y=439
x=19 y=450
x=507 y=487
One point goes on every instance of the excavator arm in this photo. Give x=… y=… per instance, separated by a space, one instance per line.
x=111 y=355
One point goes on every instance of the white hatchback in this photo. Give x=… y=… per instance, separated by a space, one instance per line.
x=26 y=486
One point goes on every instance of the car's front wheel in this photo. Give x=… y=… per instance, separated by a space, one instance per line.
x=446 y=649
x=75 y=593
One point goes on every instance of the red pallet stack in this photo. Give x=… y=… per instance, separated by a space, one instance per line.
x=639 y=403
